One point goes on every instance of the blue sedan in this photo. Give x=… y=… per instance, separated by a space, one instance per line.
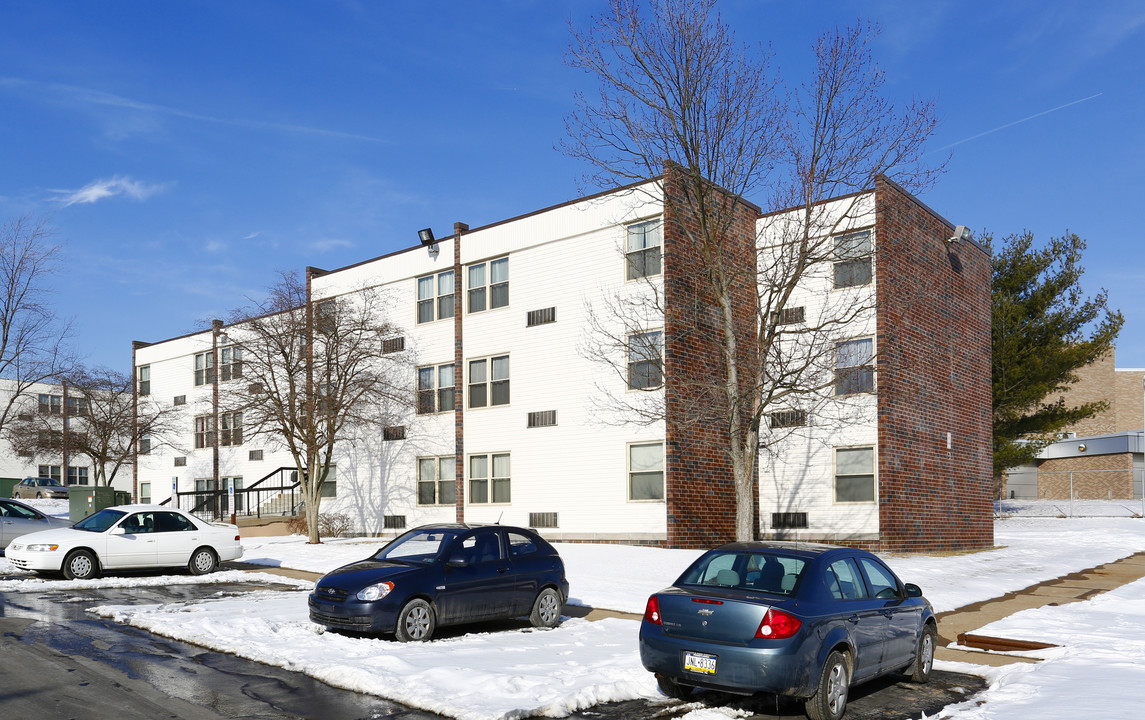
x=797 y=619
x=441 y=575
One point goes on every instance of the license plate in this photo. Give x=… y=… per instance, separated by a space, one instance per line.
x=700 y=663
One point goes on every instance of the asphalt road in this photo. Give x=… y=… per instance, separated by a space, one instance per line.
x=56 y=661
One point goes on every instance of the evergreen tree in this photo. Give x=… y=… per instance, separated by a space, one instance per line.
x=1044 y=329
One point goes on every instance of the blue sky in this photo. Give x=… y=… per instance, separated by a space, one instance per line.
x=185 y=151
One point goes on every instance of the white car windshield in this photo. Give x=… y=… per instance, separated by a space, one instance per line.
x=418 y=546
x=100 y=521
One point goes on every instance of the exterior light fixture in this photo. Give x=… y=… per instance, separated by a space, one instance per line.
x=427 y=239
x=961 y=233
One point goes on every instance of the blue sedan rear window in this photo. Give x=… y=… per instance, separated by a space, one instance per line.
x=753 y=571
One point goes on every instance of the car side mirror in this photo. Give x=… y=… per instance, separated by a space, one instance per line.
x=458 y=561
x=913 y=590
x=117 y=531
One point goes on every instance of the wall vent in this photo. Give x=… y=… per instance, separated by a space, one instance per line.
x=789 y=520
x=541 y=317
x=543 y=418
x=394 y=522
x=543 y=520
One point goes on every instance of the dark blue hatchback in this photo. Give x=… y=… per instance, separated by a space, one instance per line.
x=440 y=575
x=797 y=619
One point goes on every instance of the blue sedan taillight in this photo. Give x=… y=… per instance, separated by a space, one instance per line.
x=652 y=611
x=778 y=625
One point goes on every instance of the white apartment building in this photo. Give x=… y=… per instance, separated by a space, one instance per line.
x=523 y=438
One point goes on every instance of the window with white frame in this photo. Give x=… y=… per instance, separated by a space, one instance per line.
x=854 y=368
x=489 y=479
x=230 y=363
x=144 y=380
x=204 y=431
x=489 y=381
x=204 y=368
x=49 y=471
x=144 y=444
x=51 y=404
x=77 y=476
x=854 y=474
x=646 y=471
x=645 y=351
x=642 y=252
x=852 y=259
x=489 y=285
x=145 y=493
x=231 y=429
x=77 y=406
x=435 y=297
x=435 y=389
x=436 y=480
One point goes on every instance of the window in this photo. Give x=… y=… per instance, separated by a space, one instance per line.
x=435 y=297
x=77 y=476
x=544 y=418
x=394 y=432
x=480 y=481
x=181 y=461
x=435 y=389
x=644 y=365
x=642 y=254
x=520 y=545
x=787 y=418
x=436 y=480
x=77 y=406
x=489 y=381
x=145 y=493
x=853 y=259
x=330 y=483
x=180 y=400
x=230 y=363
x=844 y=580
x=231 y=429
x=854 y=372
x=49 y=471
x=494 y=285
x=325 y=316
x=646 y=471
x=855 y=474
x=204 y=369
x=144 y=379
x=254 y=455
x=204 y=431
x=51 y=404
x=883 y=583
x=393 y=345
x=144 y=444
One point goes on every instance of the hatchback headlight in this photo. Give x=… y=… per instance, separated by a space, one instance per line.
x=42 y=547
x=375 y=592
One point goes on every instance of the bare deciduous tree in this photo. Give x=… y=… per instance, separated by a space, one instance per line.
x=315 y=374
x=33 y=342
x=96 y=418
x=681 y=101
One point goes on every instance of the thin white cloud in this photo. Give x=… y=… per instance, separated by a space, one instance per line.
x=327 y=244
x=253 y=235
x=214 y=246
x=109 y=187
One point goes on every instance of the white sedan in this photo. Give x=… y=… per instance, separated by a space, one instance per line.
x=128 y=537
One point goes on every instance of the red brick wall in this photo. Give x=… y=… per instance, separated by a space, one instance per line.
x=933 y=379
x=700 y=487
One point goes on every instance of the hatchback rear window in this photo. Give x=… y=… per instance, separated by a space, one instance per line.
x=753 y=571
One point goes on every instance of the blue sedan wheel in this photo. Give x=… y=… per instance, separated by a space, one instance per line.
x=924 y=658
x=547 y=609
x=415 y=622
x=830 y=699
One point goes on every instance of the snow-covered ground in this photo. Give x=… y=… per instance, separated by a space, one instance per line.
x=520 y=673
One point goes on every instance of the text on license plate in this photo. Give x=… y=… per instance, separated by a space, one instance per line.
x=700 y=662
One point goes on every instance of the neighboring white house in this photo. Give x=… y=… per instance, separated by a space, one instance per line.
x=509 y=302
x=68 y=468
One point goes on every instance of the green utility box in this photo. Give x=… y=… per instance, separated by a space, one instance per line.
x=6 y=485
x=122 y=497
x=83 y=500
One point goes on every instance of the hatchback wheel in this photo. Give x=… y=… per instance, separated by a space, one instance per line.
x=202 y=561
x=546 y=609
x=924 y=658
x=415 y=622
x=673 y=689
x=830 y=699
x=80 y=565
x=39 y=496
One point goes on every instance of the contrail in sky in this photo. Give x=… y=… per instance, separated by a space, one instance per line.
x=1016 y=122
